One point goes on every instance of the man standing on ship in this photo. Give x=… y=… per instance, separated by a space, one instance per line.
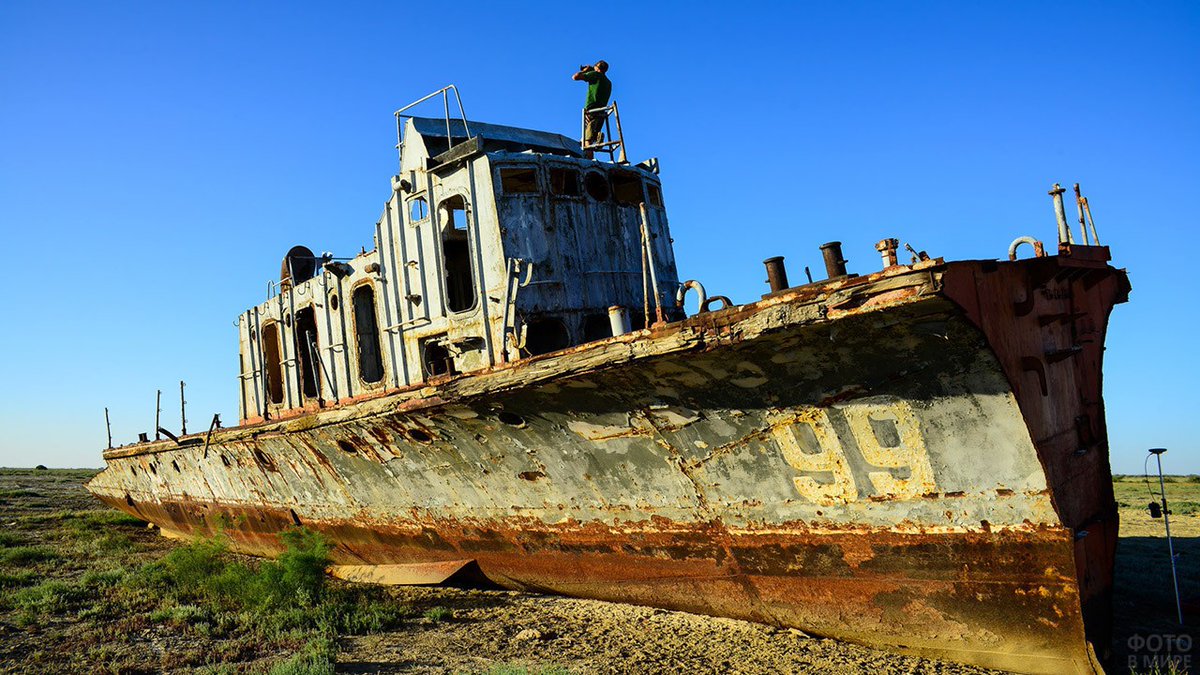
x=599 y=89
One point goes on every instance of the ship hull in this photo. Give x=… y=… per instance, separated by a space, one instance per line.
x=862 y=460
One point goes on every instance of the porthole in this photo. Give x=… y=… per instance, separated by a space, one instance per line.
x=419 y=435
x=175 y=465
x=511 y=419
x=333 y=302
x=596 y=185
x=347 y=447
x=264 y=459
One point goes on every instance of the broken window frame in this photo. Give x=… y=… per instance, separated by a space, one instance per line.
x=411 y=202
x=435 y=342
x=358 y=335
x=620 y=180
x=308 y=363
x=273 y=378
x=445 y=225
x=538 y=338
x=579 y=191
x=532 y=168
x=654 y=195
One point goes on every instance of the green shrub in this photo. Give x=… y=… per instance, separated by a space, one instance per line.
x=12 y=494
x=49 y=597
x=104 y=518
x=180 y=615
x=102 y=578
x=204 y=588
x=438 y=614
x=17 y=579
x=317 y=658
x=300 y=570
x=11 y=539
x=1185 y=508
x=23 y=555
x=204 y=569
x=195 y=563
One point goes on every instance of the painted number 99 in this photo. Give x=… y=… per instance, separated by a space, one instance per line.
x=889 y=455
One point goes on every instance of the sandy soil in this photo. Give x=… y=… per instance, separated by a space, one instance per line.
x=488 y=629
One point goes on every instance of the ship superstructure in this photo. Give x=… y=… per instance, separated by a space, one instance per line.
x=497 y=243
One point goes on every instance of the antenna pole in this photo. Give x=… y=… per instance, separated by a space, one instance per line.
x=1162 y=489
x=157 y=415
x=182 y=411
x=108 y=428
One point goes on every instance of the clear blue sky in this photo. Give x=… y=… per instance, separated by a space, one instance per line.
x=157 y=160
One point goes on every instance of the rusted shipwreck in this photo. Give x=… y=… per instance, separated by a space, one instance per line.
x=913 y=458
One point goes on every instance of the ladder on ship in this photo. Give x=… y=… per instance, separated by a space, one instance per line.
x=614 y=146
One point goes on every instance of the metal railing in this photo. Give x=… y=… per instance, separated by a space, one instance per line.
x=445 y=93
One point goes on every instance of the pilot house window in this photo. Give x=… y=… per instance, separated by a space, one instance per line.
x=626 y=188
x=655 y=195
x=518 y=181
x=564 y=182
x=370 y=362
x=456 y=255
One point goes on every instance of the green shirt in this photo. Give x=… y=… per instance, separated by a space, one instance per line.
x=599 y=89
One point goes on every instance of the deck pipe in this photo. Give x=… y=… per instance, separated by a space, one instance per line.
x=835 y=265
x=776 y=273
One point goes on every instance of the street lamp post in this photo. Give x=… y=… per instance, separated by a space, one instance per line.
x=1162 y=490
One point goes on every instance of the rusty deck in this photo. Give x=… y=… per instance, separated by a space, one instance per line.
x=914 y=459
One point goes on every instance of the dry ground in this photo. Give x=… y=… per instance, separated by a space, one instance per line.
x=79 y=593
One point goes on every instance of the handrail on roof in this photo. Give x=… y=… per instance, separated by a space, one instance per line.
x=445 y=92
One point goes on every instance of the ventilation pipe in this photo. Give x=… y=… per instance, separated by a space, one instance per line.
x=618 y=319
